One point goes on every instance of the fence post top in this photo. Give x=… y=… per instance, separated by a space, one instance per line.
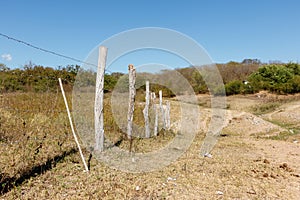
x=130 y=67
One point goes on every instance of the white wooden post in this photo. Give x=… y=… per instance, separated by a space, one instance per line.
x=132 y=92
x=72 y=127
x=155 y=109
x=162 y=110
x=98 y=109
x=167 y=115
x=146 y=111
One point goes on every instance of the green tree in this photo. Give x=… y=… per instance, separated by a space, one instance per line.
x=272 y=77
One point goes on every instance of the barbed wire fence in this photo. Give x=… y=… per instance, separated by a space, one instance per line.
x=35 y=133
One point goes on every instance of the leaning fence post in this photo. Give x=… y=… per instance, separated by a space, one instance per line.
x=99 y=130
x=72 y=127
x=167 y=115
x=162 y=110
x=146 y=111
x=132 y=92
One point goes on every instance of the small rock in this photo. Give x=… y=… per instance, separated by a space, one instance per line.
x=295 y=141
x=137 y=188
x=283 y=165
x=219 y=192
x=208 y=155
x=272 y=176
x=286 y=167
x=266 y=161
x=265 y=175
x=251 y=191
x=171 y=179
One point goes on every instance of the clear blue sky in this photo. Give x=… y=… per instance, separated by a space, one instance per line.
x=227 y=29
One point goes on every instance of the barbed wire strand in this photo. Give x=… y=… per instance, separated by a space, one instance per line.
x=48 y=51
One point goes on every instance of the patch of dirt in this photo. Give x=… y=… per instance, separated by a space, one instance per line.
x=247 y=124
x=245 y=163
x=287 y=113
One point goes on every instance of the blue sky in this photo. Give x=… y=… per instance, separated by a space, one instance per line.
x=228 y=29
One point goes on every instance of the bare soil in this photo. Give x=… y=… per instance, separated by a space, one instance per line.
x=257 y=157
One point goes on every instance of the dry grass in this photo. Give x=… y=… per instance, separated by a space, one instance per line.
x=242 y=167
x=34 y=130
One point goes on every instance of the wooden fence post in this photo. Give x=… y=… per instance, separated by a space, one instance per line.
x=98 y=109
x=153 y=97
x=162 y=110
x=146 y=111
x=132 y=92
x=167 y=115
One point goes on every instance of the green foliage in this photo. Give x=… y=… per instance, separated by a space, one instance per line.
x=198 y=83
x=37 y=78
x=218 y=91
x=277 y=78
x=195 y=78
x=294 y=84
x=294 y=68
x=238 y=87
x=233 y=87
x=109 y=82
x=165 y=91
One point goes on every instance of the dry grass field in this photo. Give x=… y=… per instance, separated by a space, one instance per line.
x=257 y=155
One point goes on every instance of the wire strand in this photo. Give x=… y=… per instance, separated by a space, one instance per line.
x=45 y=50
x=51 y=52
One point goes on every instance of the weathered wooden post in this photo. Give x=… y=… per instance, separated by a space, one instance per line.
x=132 y=92
x=162 y=110
x=153 y=97
x=98 y=109
x=167 y=115
x=146 y=111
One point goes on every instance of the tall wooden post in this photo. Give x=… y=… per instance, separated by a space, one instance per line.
x=162 y=110
x=132 y=92
x=167 y=115
x=98 y=107
x=155 y=109
x=146 y=111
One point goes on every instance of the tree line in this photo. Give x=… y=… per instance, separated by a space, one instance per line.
x=246 y=77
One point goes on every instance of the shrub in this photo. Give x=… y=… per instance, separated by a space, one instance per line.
x=234 y=87
x=294 y=84
x=275 y=78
